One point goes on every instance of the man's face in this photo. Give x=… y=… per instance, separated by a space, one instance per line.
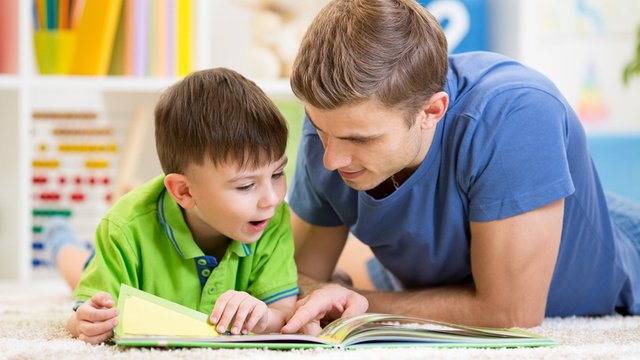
x=368 y=142
x=234 y=202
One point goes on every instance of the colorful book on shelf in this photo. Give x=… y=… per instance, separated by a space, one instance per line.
x=8 y=37
x=147 y=320
x=95 y=34
x=183 y=37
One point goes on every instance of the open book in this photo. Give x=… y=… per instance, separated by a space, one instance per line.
x=147 y=320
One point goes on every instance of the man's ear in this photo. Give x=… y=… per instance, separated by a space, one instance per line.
x=434 y=109
x=178 y=187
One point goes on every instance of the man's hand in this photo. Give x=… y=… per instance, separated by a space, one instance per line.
x=240 y=310
x=93 y=321
x=330 y=300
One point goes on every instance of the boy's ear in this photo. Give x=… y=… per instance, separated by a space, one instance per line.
x=178 y=187
x=434 y=109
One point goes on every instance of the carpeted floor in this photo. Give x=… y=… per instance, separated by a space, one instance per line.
x=33 y=318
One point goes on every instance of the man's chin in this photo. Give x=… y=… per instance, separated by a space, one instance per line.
x=360 y=186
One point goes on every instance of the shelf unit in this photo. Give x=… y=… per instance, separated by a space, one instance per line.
x=25 y=92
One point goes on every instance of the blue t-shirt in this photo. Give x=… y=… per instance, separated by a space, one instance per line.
x=509 y=143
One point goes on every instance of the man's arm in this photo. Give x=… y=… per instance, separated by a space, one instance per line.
x=317 y=252
x=512 y=262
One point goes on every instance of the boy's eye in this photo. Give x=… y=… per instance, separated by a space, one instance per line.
x=277 y=175
x=245 y=187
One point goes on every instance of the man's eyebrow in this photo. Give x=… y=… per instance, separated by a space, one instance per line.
x=359 y=138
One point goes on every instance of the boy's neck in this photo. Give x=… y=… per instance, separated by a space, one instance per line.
x=209 y=240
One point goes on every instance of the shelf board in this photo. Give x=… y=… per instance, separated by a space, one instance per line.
x=9 y=82
x=102 y=83
x=278 y=87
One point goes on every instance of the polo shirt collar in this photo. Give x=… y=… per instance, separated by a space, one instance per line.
x=177 y=232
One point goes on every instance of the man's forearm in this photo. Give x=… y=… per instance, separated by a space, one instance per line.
x=307 y=284
x=458 y=305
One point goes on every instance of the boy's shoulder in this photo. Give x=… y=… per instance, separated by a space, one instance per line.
x=140 y=201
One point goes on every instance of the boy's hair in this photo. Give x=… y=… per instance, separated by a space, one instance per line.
x=220 y=115
x=392 y=51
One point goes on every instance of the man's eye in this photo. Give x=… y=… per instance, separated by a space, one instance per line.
x=360 y=141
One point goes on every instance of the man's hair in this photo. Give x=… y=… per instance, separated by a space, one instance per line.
x=392 y=51
x=220 y=115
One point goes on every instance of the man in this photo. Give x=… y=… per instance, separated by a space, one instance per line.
x=468 y=176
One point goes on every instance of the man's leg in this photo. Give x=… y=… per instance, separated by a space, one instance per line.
x=625 y=214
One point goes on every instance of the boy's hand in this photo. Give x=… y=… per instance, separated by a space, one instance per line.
x=241 y=312
x=95 y=319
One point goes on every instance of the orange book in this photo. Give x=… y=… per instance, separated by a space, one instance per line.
x=8 y=36
x=95 y=35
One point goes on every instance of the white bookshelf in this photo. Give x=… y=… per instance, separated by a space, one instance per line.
x=26 y=91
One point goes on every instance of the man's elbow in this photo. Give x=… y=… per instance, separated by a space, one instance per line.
x=522 y=317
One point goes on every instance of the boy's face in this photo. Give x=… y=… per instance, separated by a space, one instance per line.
x=366 y=143
x=234 y=202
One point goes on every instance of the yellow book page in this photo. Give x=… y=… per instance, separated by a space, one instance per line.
x=143 y=317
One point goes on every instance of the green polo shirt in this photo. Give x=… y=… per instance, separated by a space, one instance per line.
x=144 y=242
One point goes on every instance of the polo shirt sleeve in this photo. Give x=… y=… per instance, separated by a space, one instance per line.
x=274 y=275
x=516 y=159
x=114 y=263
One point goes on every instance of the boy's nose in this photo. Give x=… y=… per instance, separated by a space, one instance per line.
x=269 y=197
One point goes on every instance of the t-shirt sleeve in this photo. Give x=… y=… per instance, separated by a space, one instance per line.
x=275 y=276
x=516 y=161
x=304 y=196
x=113 y=264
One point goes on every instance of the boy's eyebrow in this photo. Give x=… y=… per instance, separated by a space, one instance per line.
x=358 y=138
x=282 y=164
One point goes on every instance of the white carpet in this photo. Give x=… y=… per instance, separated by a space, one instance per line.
x=33 y=319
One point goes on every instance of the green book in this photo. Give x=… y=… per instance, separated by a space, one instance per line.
x=147 y=320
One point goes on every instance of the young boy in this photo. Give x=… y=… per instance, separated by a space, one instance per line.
x=212 y=233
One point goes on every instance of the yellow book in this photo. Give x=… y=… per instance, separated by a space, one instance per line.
x=183 y=51
x=95 y=34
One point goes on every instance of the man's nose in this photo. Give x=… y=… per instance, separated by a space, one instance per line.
x=335 y=156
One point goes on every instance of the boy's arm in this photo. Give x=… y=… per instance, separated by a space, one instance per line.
x=279 y=312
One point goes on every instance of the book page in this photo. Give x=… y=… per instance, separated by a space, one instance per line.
x=141 y=317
